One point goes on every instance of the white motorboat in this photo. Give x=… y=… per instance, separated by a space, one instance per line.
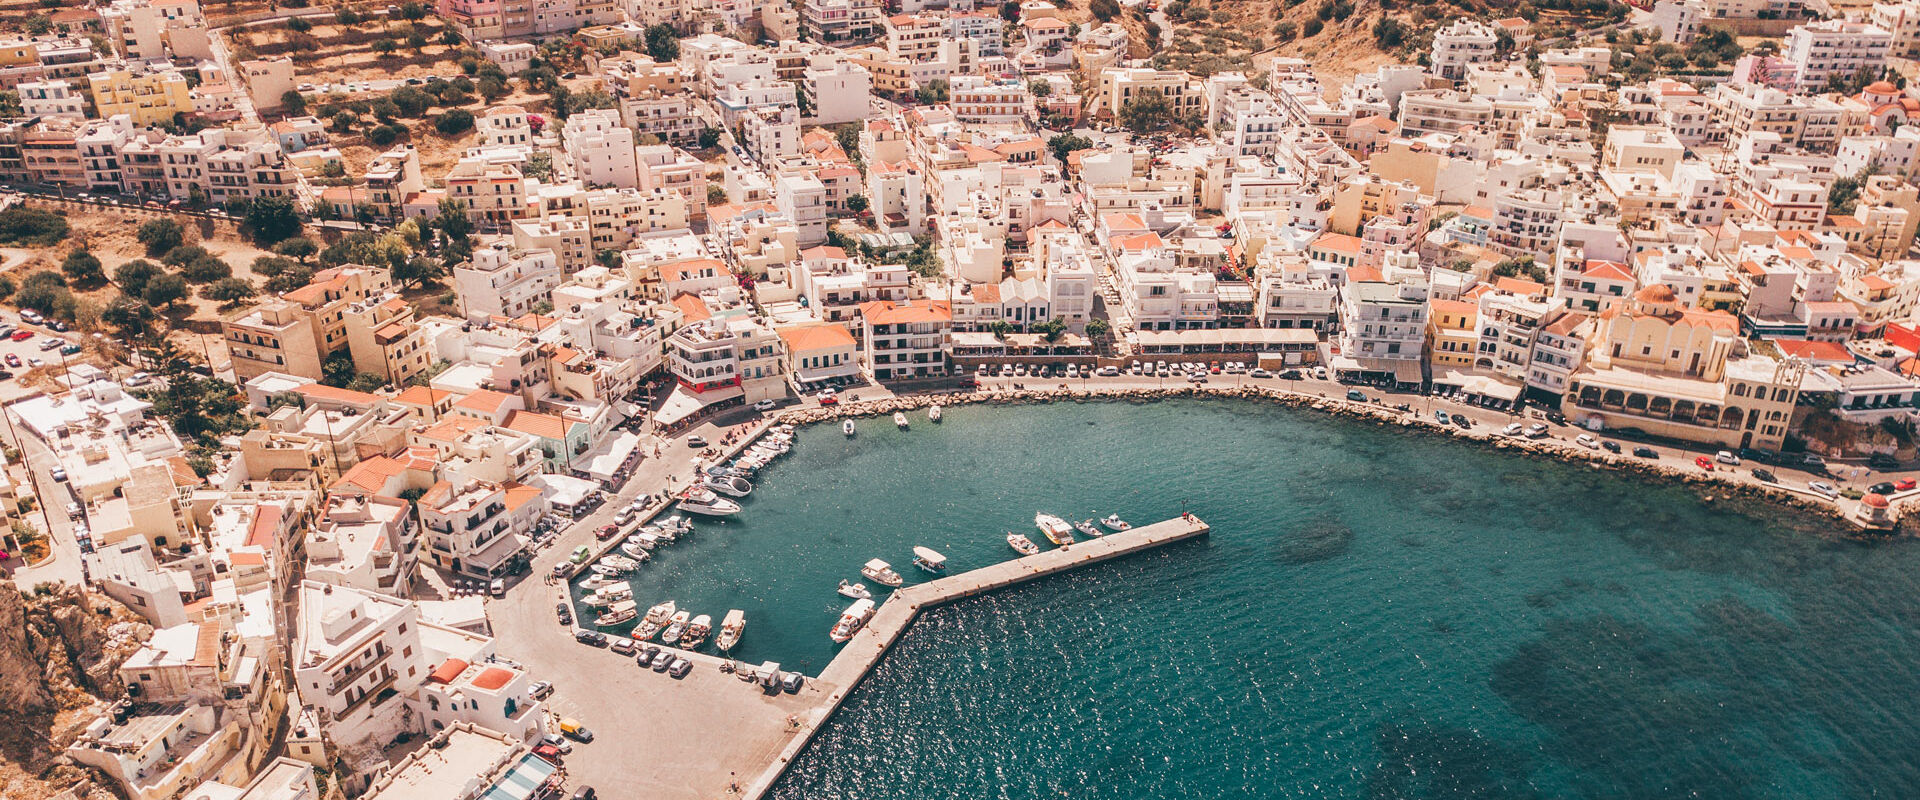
x=677 y=628
x=597 y=581
x=846 y=427
x=882 y=573
x=656 y=618
x=606 y=596
x=854 y=589
x=1021 y=544
x=900 y=419
x=851 y=620
x=1113 y=522
x=730 y=485
x=697 y=632
x=703 y=501
x=1088 y=529
x=607 y=570
x=730 y=630
x=621 y=563
x=1056 y=529
x=929 y=559
x=619 y=613
x=644 y=540
x=933 y=412
x=677 y=524
x=635 y=550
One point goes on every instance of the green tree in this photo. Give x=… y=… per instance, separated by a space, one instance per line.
x=1065 y=144
x=299 y=248
x=410 y=101
x=273 y=219
x=663 y=43
x=1097 y=328
x=269 y=266
x=293 y=102
x=229 y=290
x=1051 y=330
x=1148 y=110
x=160 y=235
x=132 y=277
x=205 y=270
x=290 y=279
x=454 y=123
x=385 y=47
x=83 y=269
x=165 y=290
x=857 y=203
x=413 y=11
x=709 y=138
x=366 y=382
x=33 y=227
x=716 y=195
x=936 y=91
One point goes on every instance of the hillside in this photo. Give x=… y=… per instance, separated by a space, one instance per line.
x=60 y=655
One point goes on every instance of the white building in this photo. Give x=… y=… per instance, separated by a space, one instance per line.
x=1835 y=49
x=501 y=281
x=1464 y=43
x=601 y=149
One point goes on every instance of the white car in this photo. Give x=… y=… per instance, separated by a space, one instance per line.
x=1727 y=457
x=764 y=405
x=1073 y=370
x=1514 y=429
x=1824 y=489
x=1587 y=442
x=1259 y=372
x=139 y=379
x=1320 y=373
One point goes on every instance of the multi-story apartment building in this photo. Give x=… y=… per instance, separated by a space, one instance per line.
x=366 y=542
x=392 y=179
x=913 y=339
x=294 y=333
x=1835 y=49
x=990 y=101
x=503 y=282
x=601 y=149
x=1382 y=326
x=469 y=528
x=1464 y=43
x=148 y=96
x=493 y=193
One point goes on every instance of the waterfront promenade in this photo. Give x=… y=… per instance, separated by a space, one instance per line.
x=897 y=614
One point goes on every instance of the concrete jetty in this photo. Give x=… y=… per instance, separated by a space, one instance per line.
x=871 y=643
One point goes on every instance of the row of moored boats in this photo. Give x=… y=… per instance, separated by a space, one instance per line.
x=677 y=627
x=1060 y=531
x=899 y=420
x=705 y=498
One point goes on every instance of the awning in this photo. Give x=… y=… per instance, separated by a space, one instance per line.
x=521 y=782
x=1480 y=383
x=604 y=462
x=684 y=403
x=628 y=410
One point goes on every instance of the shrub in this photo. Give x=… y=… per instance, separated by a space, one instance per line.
x=31 y=226
x=161 y=235
x=454 y=122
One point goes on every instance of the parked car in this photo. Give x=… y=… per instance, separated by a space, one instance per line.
x=829 y=400
x=1610 y=446
x=623 y=645
x=1883 y=487
x=1883 y=461
x=1823 y=489
x=1259 y=372
x=1513 y=429
x=1587 y=441
x=70 y=350
x=1765 y=475
x=662 y=662
x=1703 y=462
x=1440 y=415
x=139 y=378
x=497 y=587
x=1537 y=431
x=576 y=731
x=606 y=532
x=1358 y=396
x=1645 y=452
x=1320 y=373
x=765 y=405
x=589 y=637
x=14 y=361
x=539 y=690
x=584 y=793
x=680 y=668
x=1727 y=457
x=564 y=612
x=51 y=343
x=1904 y=485
x=646 y=657
x=557 y=742
x=793 y=682
x=1814 y=462
x=58 y=474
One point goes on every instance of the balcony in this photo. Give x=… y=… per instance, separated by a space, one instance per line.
x=345 y=679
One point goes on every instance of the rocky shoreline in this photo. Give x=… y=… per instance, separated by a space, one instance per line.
x=1369 y=412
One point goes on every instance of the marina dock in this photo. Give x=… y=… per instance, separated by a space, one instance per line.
x=871 y=643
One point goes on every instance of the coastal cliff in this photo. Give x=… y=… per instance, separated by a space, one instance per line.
x=60 y=655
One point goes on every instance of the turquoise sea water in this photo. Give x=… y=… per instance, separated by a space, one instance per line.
x=1376 y=614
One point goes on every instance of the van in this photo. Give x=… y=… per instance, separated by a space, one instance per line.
x=572 y=727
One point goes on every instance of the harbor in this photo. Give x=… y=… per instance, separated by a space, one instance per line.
x=897 y=614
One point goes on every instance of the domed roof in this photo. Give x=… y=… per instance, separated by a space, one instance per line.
x=1874 y=500
x=1882 y=87
x=1657 y=293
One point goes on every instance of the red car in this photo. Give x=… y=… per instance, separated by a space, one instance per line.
x=830 y=400
x=606 y=532
x=1904 y=484
x=22 y=335
x=13 y=361
x=1703 y=462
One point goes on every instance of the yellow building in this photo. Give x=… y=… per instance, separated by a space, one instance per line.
x=1678 y=372
x=150 y=98
x=1451 y=333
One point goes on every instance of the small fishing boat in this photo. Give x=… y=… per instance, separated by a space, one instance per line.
x=697 y=500
x=1088 y=529
x=645 y=540
x=882 y=573
x=1021 y=544
x=854 y=589
x=1113 y=522
x=635 y=550
x=697 y=631
x=676 y=525
x=656 y=618
x=597 y=581
x=730 y=485
x=900 y=419
x=846 y=427
x=677 y=628
x=933 y=412
x=607 y=595
x=851 y=620
x=1056 y=529
x=929 y=559
x=730 y=629
x=619 y=563
x=618 y=614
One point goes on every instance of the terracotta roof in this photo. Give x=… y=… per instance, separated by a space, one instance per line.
x=493 y=678
x=1444 y=305
x=1144 y=241
x=422 y=396
x=822 y=252
x=452 y=428
x=447 y=671
x=370 y=475
x=808 y=338
x=485 y=400
x=986 y=293
x=887 y=312
x=1567 y=323
x=1338 y=242
x=1656 y=293
x=1124 y=222
x=266 y=521
x=1607 y=270
x=691 y=306
x=520 y=494
x=1519 y=286
x=536 y=424
x=1815 y=351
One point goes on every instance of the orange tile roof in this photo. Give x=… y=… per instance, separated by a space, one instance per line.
x=986 y=293
x=422 y=396
x=370 y=475
x=1145 y=241
x=493 y=678
x=1338 y=242
x=809 y=338
x=452 y=428
x=822 y=252
x=520 y=494
x=266 y=521
x=1607 y=270
x=537 y=424
x=486 y=400
x=692 y=307
x=1519 y=286
x=887 y=312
